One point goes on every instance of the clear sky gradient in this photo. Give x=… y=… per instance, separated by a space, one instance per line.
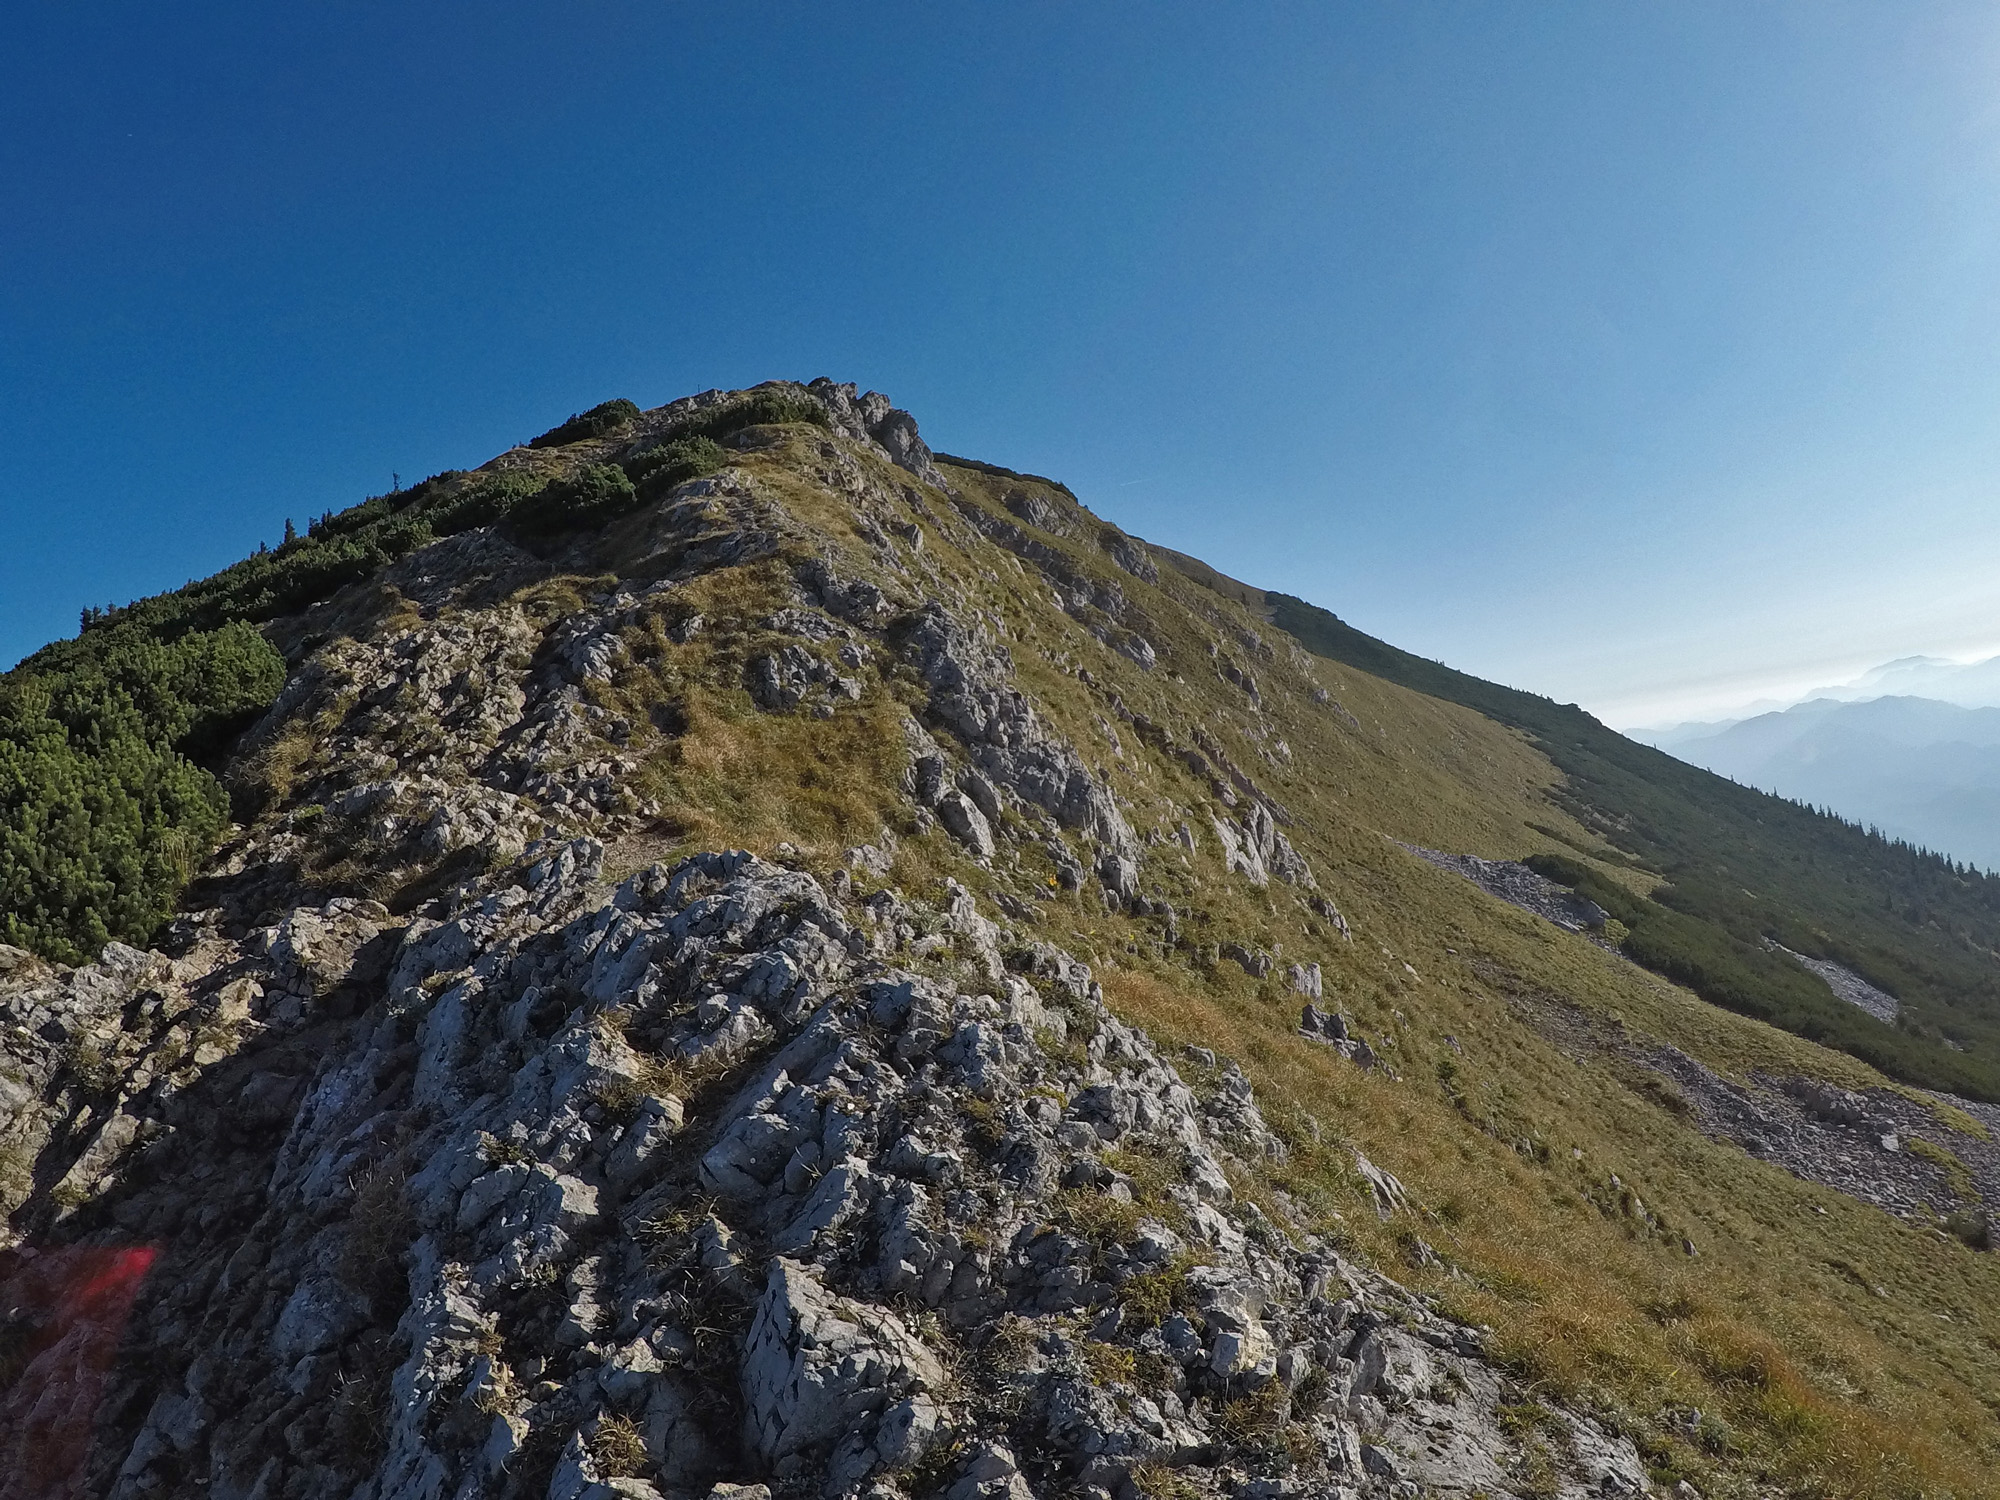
x=1644 y=355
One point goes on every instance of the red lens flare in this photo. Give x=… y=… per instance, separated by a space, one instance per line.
x=62 y=1314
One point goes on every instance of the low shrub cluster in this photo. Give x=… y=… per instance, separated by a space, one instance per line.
x=102 y=812
x=489 y=498
x=605 y=417
x=766 y=404
x=758 y=408
x=590 y=498
x=660 y=469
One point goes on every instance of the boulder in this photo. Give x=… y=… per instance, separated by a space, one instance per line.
x=657 y=1120
x=831 y=1384
x=1256 y=962
x=965 y=822
x=1120 y=876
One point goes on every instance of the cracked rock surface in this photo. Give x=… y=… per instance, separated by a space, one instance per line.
x=694 y=1159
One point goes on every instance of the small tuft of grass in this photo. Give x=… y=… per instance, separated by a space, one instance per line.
x=1158 y=1481
x=499 y=1151
x=1148 y=1299
x=92 y=1068
x=380 y=1228
x=1256 y=1419
x=1110 y=1363
x=618 y=1447
x=985 y=1126
x=1671 y=1307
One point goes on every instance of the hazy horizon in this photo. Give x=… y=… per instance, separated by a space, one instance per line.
x=1726 y=702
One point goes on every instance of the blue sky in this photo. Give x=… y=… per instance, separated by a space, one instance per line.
x=1644 y=355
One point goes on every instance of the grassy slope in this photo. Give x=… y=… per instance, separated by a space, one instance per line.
x=1753 y=864
x=1774 y=1328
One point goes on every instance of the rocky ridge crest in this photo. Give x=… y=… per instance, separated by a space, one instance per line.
x=473 y=1171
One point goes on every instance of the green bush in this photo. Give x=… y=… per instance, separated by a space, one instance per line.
x=598 y=494
x=188 y=694
x=1586 y=882
x=102 y=814
x=772 y=404
x=605 y=417
x=659 y=469
x=313 y=569
x=487 y=500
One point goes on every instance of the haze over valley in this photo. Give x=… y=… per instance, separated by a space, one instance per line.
x=1911 y=747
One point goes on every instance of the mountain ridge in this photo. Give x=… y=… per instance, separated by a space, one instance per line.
x=1639 y=802
x=798 y=966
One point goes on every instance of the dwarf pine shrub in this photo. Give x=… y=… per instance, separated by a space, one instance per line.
x=103 y=815
x=607 y=416
x=596 y=495
x=659 y=469
x=773 y=404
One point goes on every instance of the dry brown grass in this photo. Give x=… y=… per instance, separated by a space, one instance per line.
x=1789 y=1357
x=618 y=1447
x=1808 y=1374
x=265 y=779
x=739 y=778
x=379 y=1227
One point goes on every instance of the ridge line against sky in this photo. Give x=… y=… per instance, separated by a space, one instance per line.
x=1638 y=357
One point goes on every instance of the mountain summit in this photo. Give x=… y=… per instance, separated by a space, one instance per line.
x=725 y=954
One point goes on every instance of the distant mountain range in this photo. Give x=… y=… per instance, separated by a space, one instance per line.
x=1968 y=684
x=1973 y=684
x=1926 y=769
